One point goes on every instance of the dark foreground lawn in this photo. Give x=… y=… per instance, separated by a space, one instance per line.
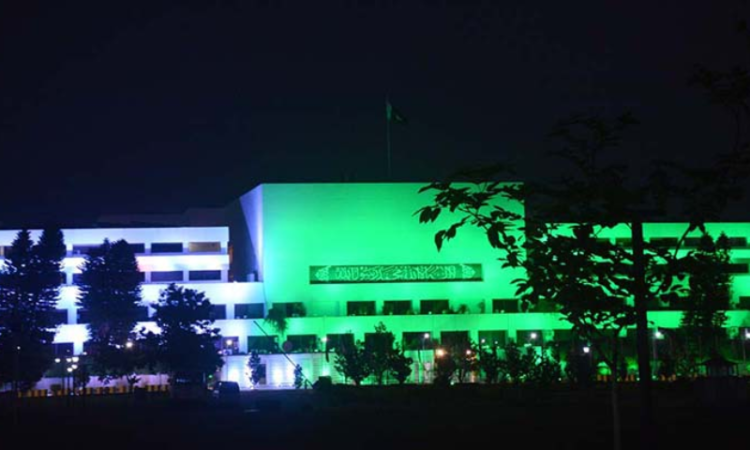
x=370 y=417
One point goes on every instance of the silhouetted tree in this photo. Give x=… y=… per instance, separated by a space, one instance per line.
x=546 y=370
x=445 y=368
x=708 y=294
x=489 y=362
x=518 y=362
x=352 y=362
x=186 y=342
x=379 y=351
x=29 y=289
x=276 y=316
x=567 y=264
x=400 y=366
x=110 y=292
x=254 y=364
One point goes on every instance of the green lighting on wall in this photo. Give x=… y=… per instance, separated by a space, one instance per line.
x=395 y=273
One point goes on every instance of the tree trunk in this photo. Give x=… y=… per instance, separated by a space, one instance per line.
x=642 y=335
x=616 y=421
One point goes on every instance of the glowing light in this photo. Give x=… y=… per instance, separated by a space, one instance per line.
x=74 y=366
x=129 y=344
x=324 y=339
x=427 y=335
x=747 y=334
x=533 y=335
x=75 y=359
x=658 y=334
x=468 y=352
x=484 y=340
x=68 y=360
x=234 y=375
x=57 y=360
x=70 y=369
x=440 y=353
x=229 y=342
x=587 y=349
x=277 y=377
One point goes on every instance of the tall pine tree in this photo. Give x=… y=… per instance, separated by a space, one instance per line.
x=110 y=292
x=29 y=289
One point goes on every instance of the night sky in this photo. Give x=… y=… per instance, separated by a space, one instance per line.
x=116 y=109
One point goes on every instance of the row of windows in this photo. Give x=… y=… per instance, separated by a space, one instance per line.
x=499 y=305
x=218 y=312
x=156 y=247
x=160 y=247
x=734 y=242
x=166 y=276
x=411 y=340
x=404 y=307
x=360 y=308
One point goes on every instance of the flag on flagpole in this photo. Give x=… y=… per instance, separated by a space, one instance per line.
x=393 y=115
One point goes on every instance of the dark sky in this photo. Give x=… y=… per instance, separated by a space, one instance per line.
x=111 y=109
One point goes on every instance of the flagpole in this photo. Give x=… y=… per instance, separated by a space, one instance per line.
x=388 y=137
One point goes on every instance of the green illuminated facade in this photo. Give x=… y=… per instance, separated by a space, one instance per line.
x=355 y=255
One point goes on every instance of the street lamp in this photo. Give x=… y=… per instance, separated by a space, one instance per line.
x=129 y=344
x=586 y=349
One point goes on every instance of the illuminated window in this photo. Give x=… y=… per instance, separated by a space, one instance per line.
x=397 y=307
x=492 y=337
x=302 y=343
x=417 y=340
x=248 y=311
x=218 y=312
x=339 y=341
x=142 y=314
x=533 y=337
x=164 y=277
x=624 y=242
x=360 y=308
x=204 y=247
x=229 y=345
x=734 y=242
x=262 y=344
x=204 y=275
x=667 y=242
x=166 y=247
x=137 y=248
x=434 y=307
x=62 y=349
x=83 y=249
x=504 y=305
x=454 y=338
x=292 y=309
x=60 y=316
